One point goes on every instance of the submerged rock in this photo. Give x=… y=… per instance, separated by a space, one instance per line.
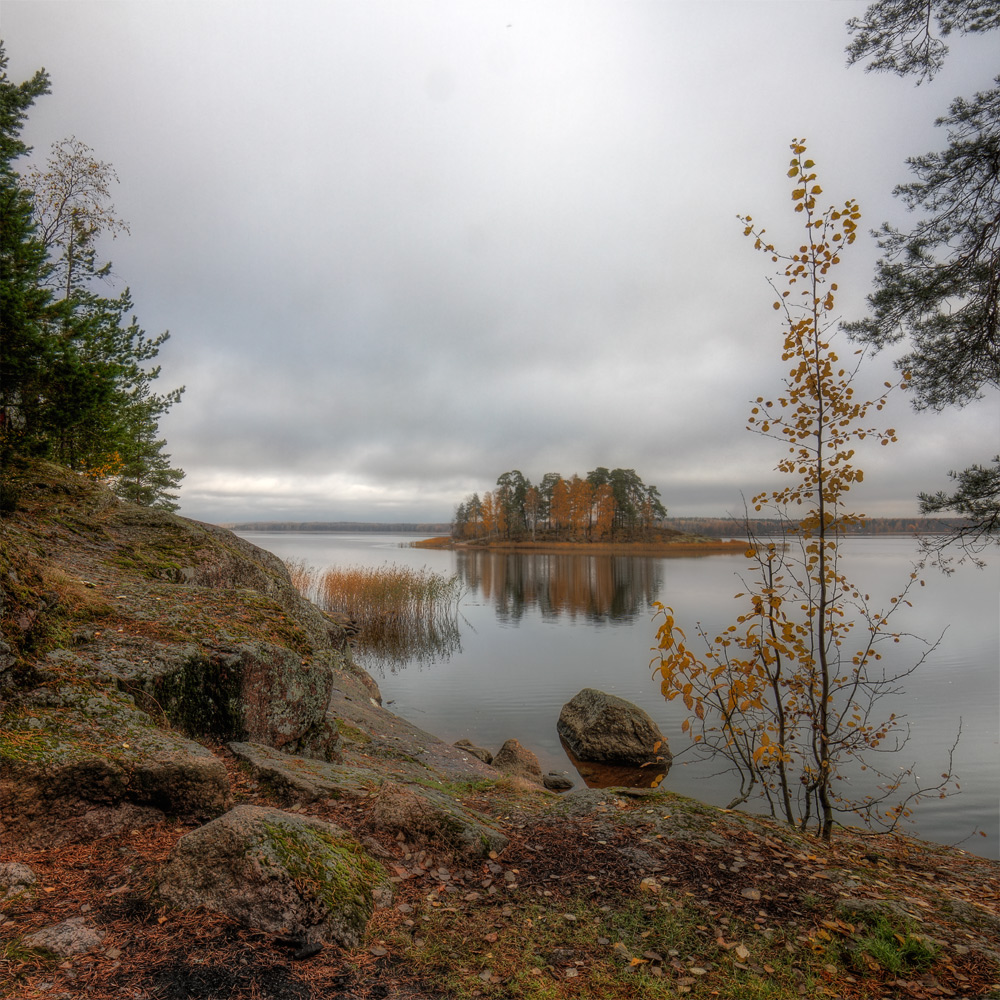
x=605 y=729
x=556 y=782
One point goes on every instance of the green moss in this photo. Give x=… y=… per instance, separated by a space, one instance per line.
x=352 y=734
x=891 y=944
x=335 y=871
x=203 y=698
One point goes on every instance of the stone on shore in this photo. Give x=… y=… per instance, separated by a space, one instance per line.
x=518 y=761
x=277 y=872
x=606 y=729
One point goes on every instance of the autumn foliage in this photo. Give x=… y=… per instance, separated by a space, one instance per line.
x=788 y=693
x=607 y=505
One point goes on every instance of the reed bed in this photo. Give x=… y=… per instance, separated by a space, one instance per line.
x=402 y=613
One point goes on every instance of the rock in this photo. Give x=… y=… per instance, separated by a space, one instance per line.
x=483 y=754
x=70 y=937
x=277 y=872
x=556 y=782
x=253 y=690
x=606 y=729
x=291 y=779
x=87 y=764
x=514 y=759
x=16 y=879
x=428 y=815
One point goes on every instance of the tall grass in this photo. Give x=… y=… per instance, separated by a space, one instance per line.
x=402 y=613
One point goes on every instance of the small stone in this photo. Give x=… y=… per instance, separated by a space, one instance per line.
x=71 y=937
x=556 y=782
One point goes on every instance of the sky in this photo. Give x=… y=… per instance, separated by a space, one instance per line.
x=402 y=248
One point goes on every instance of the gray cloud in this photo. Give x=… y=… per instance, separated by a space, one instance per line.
x=403 y=248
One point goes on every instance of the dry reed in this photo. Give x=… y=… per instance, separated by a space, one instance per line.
x=402 y=613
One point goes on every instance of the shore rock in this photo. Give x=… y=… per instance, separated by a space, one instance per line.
x=517 y=760
x=556 y=782
x=606 y=729
x=276 y=872
x=481 y=752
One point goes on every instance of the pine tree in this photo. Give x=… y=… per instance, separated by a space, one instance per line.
x=938 y=285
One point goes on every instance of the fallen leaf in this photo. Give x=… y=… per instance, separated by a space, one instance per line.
x=742 y=952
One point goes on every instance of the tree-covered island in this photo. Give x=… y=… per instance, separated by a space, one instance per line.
x=608 y=507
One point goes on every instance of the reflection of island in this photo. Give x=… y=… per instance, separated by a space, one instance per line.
x=601 y=588
x=611 y=776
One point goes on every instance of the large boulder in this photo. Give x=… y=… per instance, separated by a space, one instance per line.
x=606 y=729
x=277 y=872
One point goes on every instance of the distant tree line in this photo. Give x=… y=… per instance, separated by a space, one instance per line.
x=78 y=370
x=606 y=505
x=728 y=527
x=412 y=527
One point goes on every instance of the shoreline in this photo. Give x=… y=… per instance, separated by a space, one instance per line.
x=684 y=547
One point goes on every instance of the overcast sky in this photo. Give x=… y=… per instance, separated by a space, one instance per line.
x=403 y=247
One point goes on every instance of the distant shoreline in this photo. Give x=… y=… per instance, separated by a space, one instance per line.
x=702 y=527
x=657 y=547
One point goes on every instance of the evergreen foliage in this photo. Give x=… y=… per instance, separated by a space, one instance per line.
x=938 y=285
x=77 y=382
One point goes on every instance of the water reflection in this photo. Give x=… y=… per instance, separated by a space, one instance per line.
x=610 y=776
x=601 y=589
x=399 y=644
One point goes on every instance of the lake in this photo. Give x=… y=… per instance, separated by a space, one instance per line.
x=533 y=629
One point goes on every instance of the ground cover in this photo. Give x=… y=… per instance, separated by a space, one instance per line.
x=607 y=895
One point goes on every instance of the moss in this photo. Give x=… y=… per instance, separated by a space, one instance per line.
x=352 y=734
x=202 y=698
x=891 y=944
x=334 y=871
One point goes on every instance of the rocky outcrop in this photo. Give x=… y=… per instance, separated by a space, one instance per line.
x=606 y=729
x=277 y=872
x=83 y=763
x=293 y=780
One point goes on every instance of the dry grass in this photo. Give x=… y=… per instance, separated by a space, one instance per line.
x=402 y=613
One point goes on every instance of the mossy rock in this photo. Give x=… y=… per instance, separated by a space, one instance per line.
x=92 y=763
x=277 y=872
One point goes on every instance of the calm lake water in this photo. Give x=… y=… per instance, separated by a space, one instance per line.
x=533 y=629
